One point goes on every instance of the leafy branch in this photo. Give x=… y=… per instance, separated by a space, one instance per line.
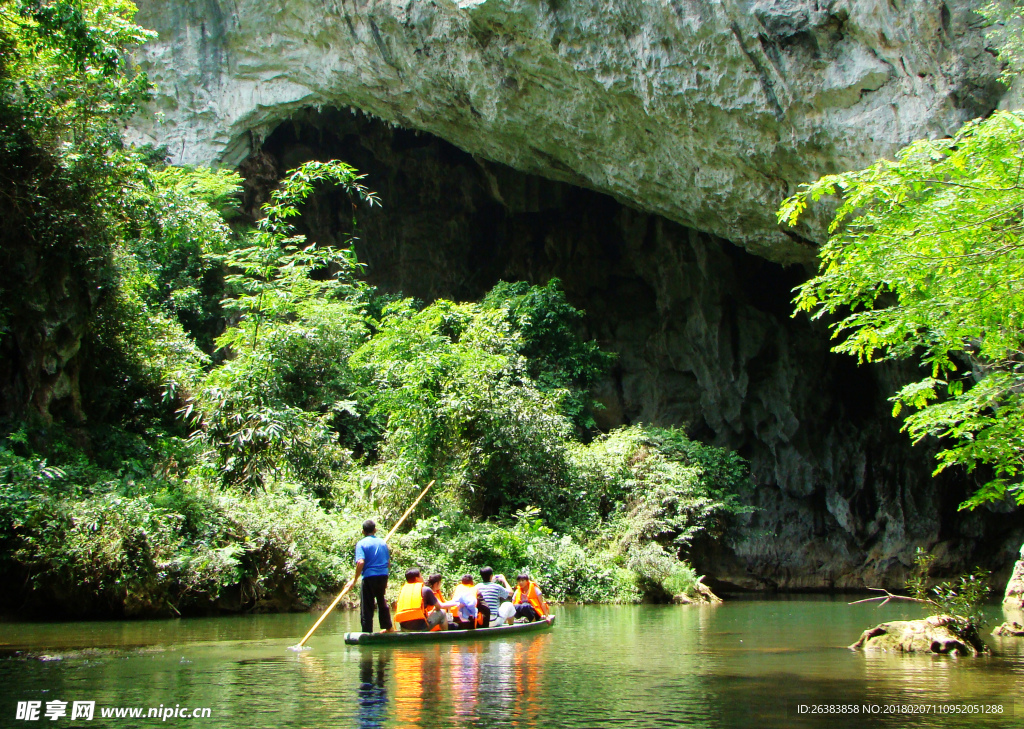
x=925 y=261
x=276 y=270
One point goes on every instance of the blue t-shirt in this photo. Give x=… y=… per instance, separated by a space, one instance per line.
x=374 y=553
x=467 y=605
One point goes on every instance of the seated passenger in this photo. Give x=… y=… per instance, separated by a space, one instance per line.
x=528 y=601
x=418 y=605
x=437 y=610
x=494 y=595
x=471 y=612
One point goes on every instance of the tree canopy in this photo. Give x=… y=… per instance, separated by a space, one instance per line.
x=925 y=261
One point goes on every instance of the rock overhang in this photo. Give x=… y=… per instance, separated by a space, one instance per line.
x=708 y=113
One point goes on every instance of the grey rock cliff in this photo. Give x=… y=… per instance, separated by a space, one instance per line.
x=705 y=112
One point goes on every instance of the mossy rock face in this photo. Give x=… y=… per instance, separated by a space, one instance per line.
x=938 y=634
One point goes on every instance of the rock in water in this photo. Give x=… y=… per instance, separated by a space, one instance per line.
x=702 y=595
x=1010 y=629
x=1013 y=599
x=941 y=634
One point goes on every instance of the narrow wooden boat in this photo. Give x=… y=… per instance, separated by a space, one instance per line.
x=443 y=636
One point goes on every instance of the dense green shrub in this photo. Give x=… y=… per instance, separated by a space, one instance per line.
x=658 y=573
x=655 y=485
x=963 y=597
x=454 y=545
x=181 y=227
x=460 y=409
x=156 y=546
x=558 y=359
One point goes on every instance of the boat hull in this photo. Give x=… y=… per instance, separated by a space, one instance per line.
x=445 y=636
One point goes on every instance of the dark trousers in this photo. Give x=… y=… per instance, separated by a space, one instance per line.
x=372 y=590
x=525 y=610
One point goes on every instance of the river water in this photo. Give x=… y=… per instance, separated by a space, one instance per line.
x=744 y=664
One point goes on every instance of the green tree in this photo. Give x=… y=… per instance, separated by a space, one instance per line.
x=182 y=216
x=276 y=271
x=925 y=261
x=268 y=410
x=66 y=70
x=548 y=337
x=67 y=86
x=459 y=407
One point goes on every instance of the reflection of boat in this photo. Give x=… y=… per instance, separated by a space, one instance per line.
x=417 y=676
x=465 y=681
x=444 y=636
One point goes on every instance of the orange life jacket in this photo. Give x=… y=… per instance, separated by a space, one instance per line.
x=460 y=590
x=410 y=603
x=532 y=596
x=440 y=597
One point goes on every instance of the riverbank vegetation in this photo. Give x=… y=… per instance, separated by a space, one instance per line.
x=199 y=410
x=957 y=608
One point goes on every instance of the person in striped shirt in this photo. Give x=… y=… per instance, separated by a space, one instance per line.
x=493 y=594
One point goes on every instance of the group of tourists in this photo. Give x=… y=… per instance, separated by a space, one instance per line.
x=421 y=603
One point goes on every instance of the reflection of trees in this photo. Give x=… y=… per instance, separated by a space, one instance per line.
x=373 y=695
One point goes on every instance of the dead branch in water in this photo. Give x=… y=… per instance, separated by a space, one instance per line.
x=889 y=596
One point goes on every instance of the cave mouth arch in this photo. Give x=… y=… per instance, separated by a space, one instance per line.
x=702 y=330
x=452 y=225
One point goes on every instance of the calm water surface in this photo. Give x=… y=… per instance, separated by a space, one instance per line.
x=746 y=664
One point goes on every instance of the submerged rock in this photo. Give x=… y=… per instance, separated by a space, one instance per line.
x=939 y=634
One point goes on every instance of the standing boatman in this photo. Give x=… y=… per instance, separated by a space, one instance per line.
x=372 y=562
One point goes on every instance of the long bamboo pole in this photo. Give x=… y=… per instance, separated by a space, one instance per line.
x=348 y=586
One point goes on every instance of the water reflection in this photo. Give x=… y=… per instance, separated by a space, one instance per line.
x=465 y=672
x=417 y=681
x=373 y=692
x=527 y=658
x=498 y=679
x=492 y=682
x=744 y=664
